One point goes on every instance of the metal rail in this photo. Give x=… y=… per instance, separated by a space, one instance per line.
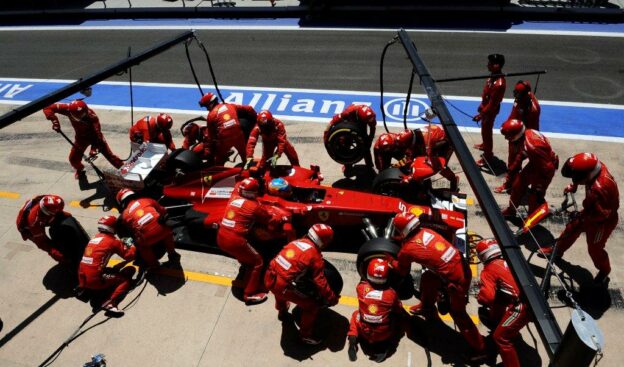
x=38 y=104
x=544 y=319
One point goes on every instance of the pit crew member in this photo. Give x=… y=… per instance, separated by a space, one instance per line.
x=302 y=258
x=224 y=128
x=87 y=132
x=526 y=108
x=378 y=318
x=445 y=270
x=536 y=174
x=37 y=214
x=393 y=145
x=93 y=273
x=145 y=219
x=153 y=129
x=500 y=295
x=365 y=117
x=599 y=215
x=491 y=98
x=274 y=141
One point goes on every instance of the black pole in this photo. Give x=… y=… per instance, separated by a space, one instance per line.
x=544 y=319
x=537 y=72
x=38 y=104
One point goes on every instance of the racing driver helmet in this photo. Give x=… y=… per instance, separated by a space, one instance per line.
x=487 y=250
x=249 y=188
x=51 y=204
x=581 y=168
x=377 y=271
x=279 y=187
x=321 y=234
x=402 y=225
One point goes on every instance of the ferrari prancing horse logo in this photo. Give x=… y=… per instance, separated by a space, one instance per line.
x=323 y=215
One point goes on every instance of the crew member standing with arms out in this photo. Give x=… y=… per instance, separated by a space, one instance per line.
x=536 y=176
x=274 y=141
x=445 y=269
x=302 y=258
x=526 y=108
x=378 y=318
x=145 y=219
x=153 y=129
x=500 y=294
x=491 y=98
x=93 y=273
x=240 y=214
x=599 y=216
x=37 y=214
x=224 y=129
x=365 y=117
x=87 y=132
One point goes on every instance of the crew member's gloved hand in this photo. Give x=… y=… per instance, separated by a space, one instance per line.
x=477 y=117
x=333 y=301
x=570 y=188
x=273 y=160
x=248 y=163
x=93 y=152
x=56 y=125
x=128 y=242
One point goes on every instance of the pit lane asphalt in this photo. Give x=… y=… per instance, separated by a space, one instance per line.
x=198 y=323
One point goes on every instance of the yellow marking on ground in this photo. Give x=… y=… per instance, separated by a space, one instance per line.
x=76 y=204
x=9 y=195
x=228 y=282
x=474 y=270
x=470 y=201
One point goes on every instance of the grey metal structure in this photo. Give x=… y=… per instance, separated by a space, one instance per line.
x=544 y=319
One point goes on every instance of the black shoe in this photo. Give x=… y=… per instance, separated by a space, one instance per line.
x=380 y=357
x=602 y=280
x=353 y=348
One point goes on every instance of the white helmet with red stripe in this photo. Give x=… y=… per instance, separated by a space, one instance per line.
x=488 y=249
x=321 y=234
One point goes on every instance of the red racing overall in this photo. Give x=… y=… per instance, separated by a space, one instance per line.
x=491 y=98
x=445 y=269
x=224 y=131
x=274 y=142
x=87 y=132
x=299 y=258
x=527 y=110
x=146 y=130
x=500 y=293
x=376 y=320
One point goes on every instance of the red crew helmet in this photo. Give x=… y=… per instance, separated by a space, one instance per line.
x=366 y=114
x=209 y=100
x=386 y=142
x=321 y=235
x=78 y=109
x=581 y=167
x=405 y=138
x=164 y=121
x=190 y=130
x=377 y=272
x=521 y=89
x=123 y=195
x=51 y=204
x=488 y=249
x=402 y=225
x=265 y=120
x=249 y=188
x=512 y=129
x=107 y=224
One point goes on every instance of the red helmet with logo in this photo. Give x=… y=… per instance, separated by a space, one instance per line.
x=366 y=114
x=581 y=167
x=51 y=204
x=487 y=250
x=521 y=89
x=123 y=195
x=164 y=121
x=190 y=130
x=78 y=109
x=265 y=120
x=248 y=188
x=321 y=234
x=402 y=225
x=107 y=224
x=512 y=129
x=209 y=100
x=386 y=142
x=405 y=138
x=377 y=271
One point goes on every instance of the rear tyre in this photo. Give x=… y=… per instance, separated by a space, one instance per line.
x=347 y=142
x=69 y=238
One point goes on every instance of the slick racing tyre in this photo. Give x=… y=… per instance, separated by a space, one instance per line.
x=388 y=182
x=69 y=238
x=376 y=247
x=306 y=285
x=347 y=142
x=185 y=160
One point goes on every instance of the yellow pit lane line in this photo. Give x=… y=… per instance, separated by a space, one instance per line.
x=228 y=282
x=9 y=195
